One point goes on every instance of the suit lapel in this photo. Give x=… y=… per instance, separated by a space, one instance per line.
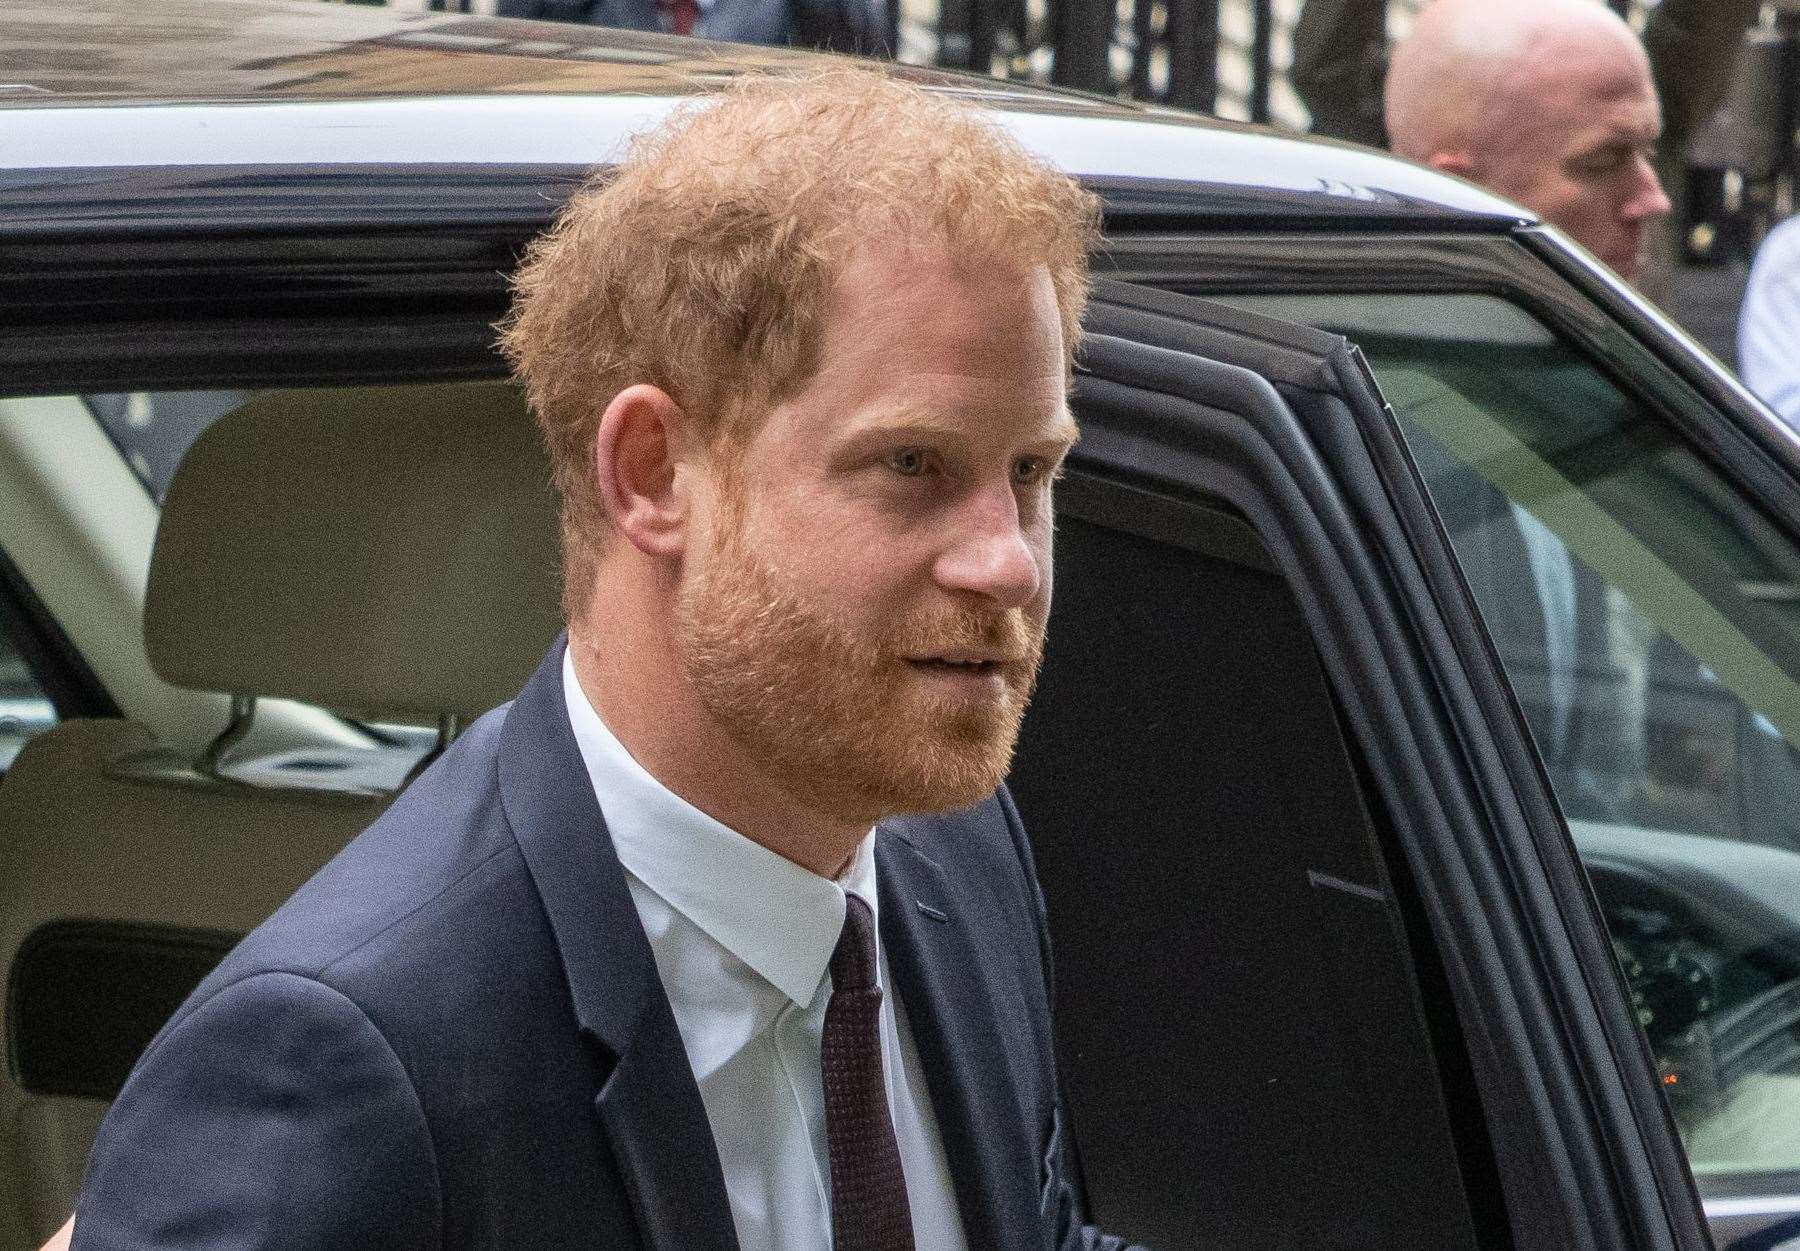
x=649 y=1107
x=657 y=1128
x=970 y=1053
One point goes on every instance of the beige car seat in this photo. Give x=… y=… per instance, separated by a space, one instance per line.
x=388 y=553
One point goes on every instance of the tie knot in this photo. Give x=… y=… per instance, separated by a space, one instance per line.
x=853 y=960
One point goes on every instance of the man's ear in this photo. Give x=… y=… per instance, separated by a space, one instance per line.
x=1457 y=163
x=643 y=438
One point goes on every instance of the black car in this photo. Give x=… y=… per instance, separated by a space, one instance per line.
x=1412 y=776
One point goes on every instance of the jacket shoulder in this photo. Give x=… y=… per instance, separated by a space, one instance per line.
x=443 y=839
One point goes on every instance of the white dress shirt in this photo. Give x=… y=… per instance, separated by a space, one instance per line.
x=1768 y=337
x=743 y=939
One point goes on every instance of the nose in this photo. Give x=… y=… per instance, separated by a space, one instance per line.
x=991 y=556
x=1649 y=201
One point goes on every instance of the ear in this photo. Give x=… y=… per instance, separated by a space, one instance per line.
x=1457 y=163
x=644 y=438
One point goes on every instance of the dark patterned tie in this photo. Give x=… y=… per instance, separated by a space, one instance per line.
x=869 y=1211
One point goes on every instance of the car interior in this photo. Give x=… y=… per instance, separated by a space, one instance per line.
x=382 y=553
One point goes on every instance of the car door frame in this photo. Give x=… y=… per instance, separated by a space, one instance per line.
x=1586 y=1149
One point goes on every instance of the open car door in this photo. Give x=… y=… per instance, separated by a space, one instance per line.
x=1329 y=972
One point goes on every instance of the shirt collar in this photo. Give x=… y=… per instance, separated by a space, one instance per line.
x=778 y=918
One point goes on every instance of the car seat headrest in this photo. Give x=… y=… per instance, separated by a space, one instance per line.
x=385 y=552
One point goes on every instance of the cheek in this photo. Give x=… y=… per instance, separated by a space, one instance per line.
x=1595 y=198
x=1581 y=211
x=1564 y=197
x=859 y=573
x=1600 y=203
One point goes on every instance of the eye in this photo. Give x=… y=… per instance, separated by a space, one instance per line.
x=1607 y=160
x=909 y=462
x=1028 y=470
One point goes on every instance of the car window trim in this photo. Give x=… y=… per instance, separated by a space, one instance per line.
x=252 y=353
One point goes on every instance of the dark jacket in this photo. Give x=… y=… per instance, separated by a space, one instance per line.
x=455 y=1036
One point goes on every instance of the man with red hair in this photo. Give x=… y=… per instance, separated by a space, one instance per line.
x=723 y=934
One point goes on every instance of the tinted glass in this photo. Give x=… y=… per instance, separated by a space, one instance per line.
x=1648 y=613
x=1245 y=1048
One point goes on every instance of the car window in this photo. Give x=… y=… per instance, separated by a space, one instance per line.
x=154 y=429
x=1251 y=1051
x=25 y=708
x=1648 y=614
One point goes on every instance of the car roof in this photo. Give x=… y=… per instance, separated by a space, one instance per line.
x=93 y=89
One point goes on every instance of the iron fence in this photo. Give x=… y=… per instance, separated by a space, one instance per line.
x=1231 y=58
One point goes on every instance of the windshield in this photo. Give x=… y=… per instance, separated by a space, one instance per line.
x=1647 y=613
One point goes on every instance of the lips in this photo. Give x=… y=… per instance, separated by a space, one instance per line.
x=972 y=674
x=976 y=651
x=968 y=657
x=945 y=664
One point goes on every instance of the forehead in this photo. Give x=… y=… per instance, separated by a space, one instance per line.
x=931 y=329
x=964 y=310
x=922 y=336
x=1585 y=79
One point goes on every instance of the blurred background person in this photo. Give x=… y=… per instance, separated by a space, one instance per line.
x=1547 y=102
x=1340 y=66
x=1552 y=104
x=1768 y=331
x=864 y=27
x=1340 y=62
x=1693 y=46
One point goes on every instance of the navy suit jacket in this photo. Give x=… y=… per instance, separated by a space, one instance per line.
x=455 y=1036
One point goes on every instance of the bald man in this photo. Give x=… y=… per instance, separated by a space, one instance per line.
x=1548 y=102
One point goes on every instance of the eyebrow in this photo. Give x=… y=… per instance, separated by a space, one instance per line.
x=1063 y=431
x=1627 y=132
